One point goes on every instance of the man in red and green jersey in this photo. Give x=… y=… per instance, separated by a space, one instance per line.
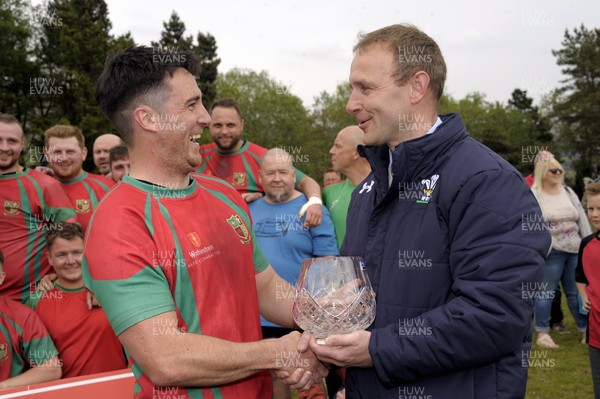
x=237 y=161
x=65 y=150
x=31 y=202
x=27 y=354
x=346 y=160
x=172 y=259
x=83 y=336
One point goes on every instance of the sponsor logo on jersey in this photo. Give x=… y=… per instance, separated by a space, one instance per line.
x=236 y=222
x=194 y=239
x=11 y=208
x=429 y=187
x=3 y=352
x=82 y=206
x=238 y=179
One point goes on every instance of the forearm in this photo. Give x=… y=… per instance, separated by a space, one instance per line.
x=275 y=299
x=581 y=289
x=173 y=358
x=49 y=371
x=309 y=187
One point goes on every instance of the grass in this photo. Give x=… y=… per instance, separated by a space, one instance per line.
x=566 y=372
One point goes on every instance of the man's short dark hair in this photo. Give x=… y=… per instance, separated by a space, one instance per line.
x=227 y=103
x=65 y=230
x=137 y=76
x=117 y=153
x=8 y=119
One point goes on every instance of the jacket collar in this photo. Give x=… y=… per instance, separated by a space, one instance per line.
x=410 y=157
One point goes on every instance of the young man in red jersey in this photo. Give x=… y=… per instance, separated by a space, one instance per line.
x=65 y=150
x=83 y=337
x=27 y=354
x=171 y=255
x=31 y=202
x=237 y=161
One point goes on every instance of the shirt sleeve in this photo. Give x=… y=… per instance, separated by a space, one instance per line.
x=36 y=343
x=57 y=206
x=580 y=276
x=299 y=176
x=120 y=267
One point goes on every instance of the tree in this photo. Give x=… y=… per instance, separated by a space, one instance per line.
x=575 y=104
x=173 y=39
x=273 y=117
x=17 y=66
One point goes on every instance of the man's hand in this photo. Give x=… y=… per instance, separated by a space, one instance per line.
x=92 y=301
x=47 y=282
x=345 y=350
x=45 y=170
x=249 y=197
x=586 y=304
x=299 y=369
x=314 y=212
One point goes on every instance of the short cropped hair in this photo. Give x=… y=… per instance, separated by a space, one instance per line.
x=117 y=153
x=137 y=76
x=413 y=51
x=65 y=230
x=227 y=103
x=64 y=132
x=9 y=119
x=592 y=189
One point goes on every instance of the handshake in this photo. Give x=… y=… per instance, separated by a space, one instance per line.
x=301 y=362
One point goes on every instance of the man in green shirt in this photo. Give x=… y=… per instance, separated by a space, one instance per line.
x=345 y=160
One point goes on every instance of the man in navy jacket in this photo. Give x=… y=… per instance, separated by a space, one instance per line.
x=453 y=239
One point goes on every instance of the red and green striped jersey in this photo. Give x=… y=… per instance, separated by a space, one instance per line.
x=24 y=341
x=84 y=337
x=151 y=250
x=32 y=202
x=85 y=192
x=239 y=168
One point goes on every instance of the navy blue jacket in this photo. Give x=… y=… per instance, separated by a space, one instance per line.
x=454 y=250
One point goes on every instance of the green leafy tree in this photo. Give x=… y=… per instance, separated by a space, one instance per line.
x=273 y=117
x=173 y=39
x=17 y=66
x=576 y=103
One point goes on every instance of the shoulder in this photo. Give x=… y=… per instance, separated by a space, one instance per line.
x=255 y=149
x=218 y=186
x=100 y=179
x=206 y=149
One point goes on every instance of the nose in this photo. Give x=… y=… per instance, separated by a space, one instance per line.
x=352 y=107
x=204 y=117
x=331 y=150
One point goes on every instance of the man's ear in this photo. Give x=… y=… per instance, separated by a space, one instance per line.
x=144 y=117
x=419 y=85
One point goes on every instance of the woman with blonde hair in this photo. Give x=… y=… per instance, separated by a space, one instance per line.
x=568 y=224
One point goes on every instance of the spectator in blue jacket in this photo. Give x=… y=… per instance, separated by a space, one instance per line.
x=452 y=237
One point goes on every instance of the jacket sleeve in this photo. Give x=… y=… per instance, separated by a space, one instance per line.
x=496 y=251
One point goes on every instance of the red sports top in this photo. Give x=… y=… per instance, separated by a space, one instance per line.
x=239 y=168
x=85 y=193
x=24 y=341
x=31 y=203
x=588 y=272
x=84 y=338
x=151 y=250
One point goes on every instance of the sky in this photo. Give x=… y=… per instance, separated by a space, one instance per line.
x=490 y=47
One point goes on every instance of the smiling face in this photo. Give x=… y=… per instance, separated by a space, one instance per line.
x=11 y=146
x=65 y=257
x=181 y=123
x=376 y=100
x=226 y=128
x=65 y=157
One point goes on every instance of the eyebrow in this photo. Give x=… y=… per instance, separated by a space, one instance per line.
x=192 y=100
